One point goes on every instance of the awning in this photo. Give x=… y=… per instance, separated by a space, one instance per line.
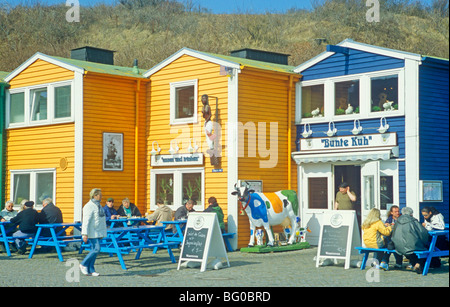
x=349 y=155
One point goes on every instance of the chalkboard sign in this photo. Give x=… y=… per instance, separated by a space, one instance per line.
x=339 y=235
x=194 y=245
x=202 y=239
x=334 y=241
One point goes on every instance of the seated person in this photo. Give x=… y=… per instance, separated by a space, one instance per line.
x=50 y=214
x=110 y=212
x=434 y=220
x=373 y=228
x=408 y=235
x=183 y=212
x=128 y=209
x=163 y=213
x=214 y=207
x=8 y=213
x=26 y=221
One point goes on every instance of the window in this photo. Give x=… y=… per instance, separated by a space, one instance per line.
x=384 y=93
x=35 y=185
x=63 y=101
x=386 y=191
x=318 y=193
x=192 y=187
x=313 y=101
x=164 y=188
x=346 y=96
x=17 y=108
x=176 y=186
x=183 y=102
x=39 y=104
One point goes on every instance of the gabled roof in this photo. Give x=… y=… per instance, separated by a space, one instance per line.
x=3 y=74
x=349 y=43
x=77 y=66
x=224 y=60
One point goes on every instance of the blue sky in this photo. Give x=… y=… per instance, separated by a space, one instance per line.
x=215 y=6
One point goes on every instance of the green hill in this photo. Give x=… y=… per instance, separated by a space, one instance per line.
x=151 y=30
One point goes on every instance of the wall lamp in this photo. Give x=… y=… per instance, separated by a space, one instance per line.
x=357 y=129
x=174 y=150
x=385 y=127
x=307 y=131
x=191 y=148
x=331 y=132
x=155 y=151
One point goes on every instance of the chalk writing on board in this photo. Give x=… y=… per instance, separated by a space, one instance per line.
x=334 y=241
x=194 y=244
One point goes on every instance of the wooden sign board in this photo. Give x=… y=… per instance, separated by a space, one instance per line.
x=339 y=235
x=202 y=239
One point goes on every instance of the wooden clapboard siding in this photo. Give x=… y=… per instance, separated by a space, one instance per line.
x=44 y=147
x=41 y=72
x=109 y=106
x=158 y=115
x=263 y=98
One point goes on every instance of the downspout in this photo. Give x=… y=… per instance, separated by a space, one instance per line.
x=136 y=143
x=289 y=132
x=2 y=143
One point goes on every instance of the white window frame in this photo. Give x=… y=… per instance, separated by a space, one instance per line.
x=178 y=186
x=364 y=97
x=28 y=100
x=173 y=87
x=33 y=184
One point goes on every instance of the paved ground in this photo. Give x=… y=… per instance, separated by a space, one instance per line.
x=293 y=269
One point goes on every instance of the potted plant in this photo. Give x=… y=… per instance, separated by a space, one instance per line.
x=165 y=189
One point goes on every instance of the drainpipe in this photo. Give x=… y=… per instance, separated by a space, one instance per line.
x=2 y=142
x=289 y=132
x=136 y=143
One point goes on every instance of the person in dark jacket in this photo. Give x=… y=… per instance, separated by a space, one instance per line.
x=214 y=207
x=183 y=211
x=408 y=235
x=26 y=220
x=50 y=214
x=128 y=209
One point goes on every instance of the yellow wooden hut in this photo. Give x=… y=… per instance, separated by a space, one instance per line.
x=73 y=125
x=251 y=104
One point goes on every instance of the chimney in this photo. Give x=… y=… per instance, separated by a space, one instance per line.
x=260 y=55
x=93 y=54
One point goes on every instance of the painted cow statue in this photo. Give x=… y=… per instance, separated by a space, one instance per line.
x=268 y=209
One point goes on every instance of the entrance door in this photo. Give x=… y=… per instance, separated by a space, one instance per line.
x=315 y=197
x=370 y=187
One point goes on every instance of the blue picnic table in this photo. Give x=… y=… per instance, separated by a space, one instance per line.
x=122 y=240
x=432 y=251
x=5 y=235
x=125 y=222
x=57 y=239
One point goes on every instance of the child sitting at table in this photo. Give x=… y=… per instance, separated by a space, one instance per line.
x=373 y=228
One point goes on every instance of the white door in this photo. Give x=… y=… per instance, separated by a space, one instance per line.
x=370 y=188
x=315 y=186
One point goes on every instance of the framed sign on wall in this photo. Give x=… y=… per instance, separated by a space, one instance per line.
x=112 y=151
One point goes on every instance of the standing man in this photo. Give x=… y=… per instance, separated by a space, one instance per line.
x=93 y=229
x=344 y=198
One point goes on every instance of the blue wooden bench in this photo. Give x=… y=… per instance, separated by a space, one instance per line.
x=226 y=236
x=428 y=255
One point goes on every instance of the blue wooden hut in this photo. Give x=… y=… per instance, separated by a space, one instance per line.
x=377 y=119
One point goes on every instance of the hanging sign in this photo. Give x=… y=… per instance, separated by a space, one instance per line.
x=202 y=239
x=349 y=141
x=339 y=235
x=177 y=159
